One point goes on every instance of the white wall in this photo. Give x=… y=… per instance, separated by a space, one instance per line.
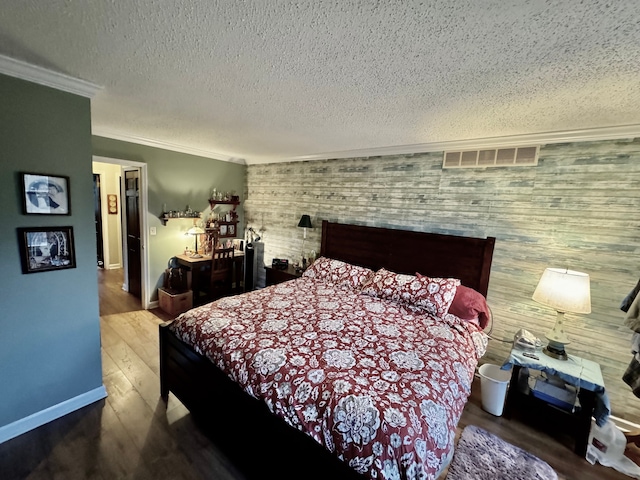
x=111 y=224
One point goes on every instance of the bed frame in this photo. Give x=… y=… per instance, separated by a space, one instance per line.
x=228 y=414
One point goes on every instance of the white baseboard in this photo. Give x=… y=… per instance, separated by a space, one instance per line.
x=624 y=425
x=154 y=304
x=52 y=413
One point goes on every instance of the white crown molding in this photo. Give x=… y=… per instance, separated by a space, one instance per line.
x=54 y=412
x=42 y=76
x=174 y=147
x=584 y=135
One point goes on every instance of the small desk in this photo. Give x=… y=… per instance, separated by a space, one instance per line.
x=198 y=267
x=581 y=373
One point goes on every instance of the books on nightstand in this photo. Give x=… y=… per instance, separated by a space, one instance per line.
x=556 y=393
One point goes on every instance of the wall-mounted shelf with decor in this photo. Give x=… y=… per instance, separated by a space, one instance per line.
x=226 y=225
x=235 y=201
x=179 y=214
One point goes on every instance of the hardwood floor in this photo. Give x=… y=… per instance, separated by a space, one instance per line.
x=132 y=434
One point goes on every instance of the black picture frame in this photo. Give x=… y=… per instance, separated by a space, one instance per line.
x=44 y=194
x=43 y=249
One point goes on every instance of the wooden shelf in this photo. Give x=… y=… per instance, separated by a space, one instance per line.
x=227 y=234
x=235 y=202
x=164 y=218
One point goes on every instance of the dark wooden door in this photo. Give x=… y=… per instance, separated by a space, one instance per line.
x=134 y=264
x=98 y=219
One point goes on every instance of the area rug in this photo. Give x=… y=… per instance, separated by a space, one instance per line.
x=481 y=455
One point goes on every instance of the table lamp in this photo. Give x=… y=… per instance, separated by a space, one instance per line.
x=565 y=291
x=305 y=222
x=195 y=230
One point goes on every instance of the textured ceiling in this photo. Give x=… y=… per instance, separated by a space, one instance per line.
x=274 y=80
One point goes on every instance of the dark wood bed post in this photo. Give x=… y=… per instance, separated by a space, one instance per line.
x=164 y=388
x=483 y=283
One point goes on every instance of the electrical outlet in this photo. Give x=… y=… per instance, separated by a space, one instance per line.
x=152 y=230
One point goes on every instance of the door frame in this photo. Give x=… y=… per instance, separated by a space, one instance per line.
x=145 y=293
x=97 y=193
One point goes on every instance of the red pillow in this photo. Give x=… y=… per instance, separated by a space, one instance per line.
x=468 y=305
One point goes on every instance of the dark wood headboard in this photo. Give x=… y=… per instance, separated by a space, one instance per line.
x=403 y=251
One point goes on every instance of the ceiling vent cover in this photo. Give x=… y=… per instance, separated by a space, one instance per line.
x=492 y=157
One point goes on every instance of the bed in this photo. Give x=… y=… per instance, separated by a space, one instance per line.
x=358 y=369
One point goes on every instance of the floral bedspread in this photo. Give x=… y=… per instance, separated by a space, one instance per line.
x=380 y=384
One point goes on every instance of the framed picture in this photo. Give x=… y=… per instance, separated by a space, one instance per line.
x=46 y=248
x=45 y=194
x=112 y=204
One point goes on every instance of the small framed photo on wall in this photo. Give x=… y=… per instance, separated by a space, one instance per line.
x=46 y=248
x=112 y=204
x=45 y=194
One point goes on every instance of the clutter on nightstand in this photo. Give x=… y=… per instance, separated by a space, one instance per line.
x=526 y=341
x=553 y=390
x=280 y=263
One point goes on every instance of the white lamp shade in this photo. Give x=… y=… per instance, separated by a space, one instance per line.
x=195 y=231
x=564 y=290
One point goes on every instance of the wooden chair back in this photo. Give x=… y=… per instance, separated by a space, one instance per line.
x=221 y=272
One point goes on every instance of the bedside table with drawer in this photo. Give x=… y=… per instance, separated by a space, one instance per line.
x=275 y=275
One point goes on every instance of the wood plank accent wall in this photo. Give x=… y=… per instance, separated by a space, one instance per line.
x=579 y=208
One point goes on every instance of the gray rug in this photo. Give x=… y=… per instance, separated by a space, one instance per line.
x=481 y=455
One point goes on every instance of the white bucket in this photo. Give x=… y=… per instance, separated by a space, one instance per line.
x=493 y=384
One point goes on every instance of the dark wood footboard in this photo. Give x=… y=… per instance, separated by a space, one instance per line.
x=190 y=376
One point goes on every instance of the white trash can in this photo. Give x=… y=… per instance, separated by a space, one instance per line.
x=493 y=384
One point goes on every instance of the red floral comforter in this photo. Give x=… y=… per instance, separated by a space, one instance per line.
x=379 y=383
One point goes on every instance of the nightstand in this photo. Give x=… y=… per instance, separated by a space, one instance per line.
x=540 y=407
x=275 y=275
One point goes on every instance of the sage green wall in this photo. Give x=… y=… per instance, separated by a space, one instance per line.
x=578 y=208
x=177 y=180
x=49 y=327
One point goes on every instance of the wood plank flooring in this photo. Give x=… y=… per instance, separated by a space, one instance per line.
x=132 y=434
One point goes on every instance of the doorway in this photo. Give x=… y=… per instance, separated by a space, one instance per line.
x=124 y=235
x=97 y=204
x=132 y=222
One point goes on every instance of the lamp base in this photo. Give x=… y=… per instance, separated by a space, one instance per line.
x=557 y=340
x=555 y=350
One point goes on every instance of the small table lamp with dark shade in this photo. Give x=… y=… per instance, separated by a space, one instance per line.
x=565 y=291
x=305 y=222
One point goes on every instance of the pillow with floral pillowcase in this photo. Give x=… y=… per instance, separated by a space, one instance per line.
x=469 y=305
x=338 y=273
x=433 y=294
